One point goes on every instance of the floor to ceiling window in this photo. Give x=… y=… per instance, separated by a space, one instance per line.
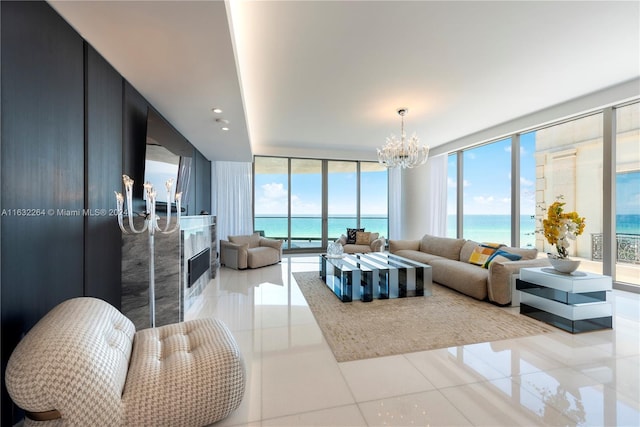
x=569 y=155
x=374 y=203
x=487 y=192
x=306 y=203
x=290 y=198
x=271 y=197
x=565 y=161
x=628 y=194
x=342 y=207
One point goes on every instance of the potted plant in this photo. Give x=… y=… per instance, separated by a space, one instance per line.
x=559 y=228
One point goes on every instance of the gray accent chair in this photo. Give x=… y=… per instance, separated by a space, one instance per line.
x=250 y=251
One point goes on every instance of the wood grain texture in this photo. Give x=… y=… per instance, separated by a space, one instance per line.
x=103 y=248
x=42 y=168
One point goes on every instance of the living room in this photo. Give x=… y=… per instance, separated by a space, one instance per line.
x=78 y=82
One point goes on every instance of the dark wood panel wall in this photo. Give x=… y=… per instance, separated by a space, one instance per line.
x=71 y=125
x=42 y=169
x=103 y=163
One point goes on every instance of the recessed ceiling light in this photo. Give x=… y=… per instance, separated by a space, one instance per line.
x=217 y=110
x=225 y=128
x=223 y=121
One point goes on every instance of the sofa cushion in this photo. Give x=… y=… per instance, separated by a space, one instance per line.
x=422 y=257
x=189 y=373
x=463 y=277
x=399 y=245
x=252 y=240
x=356 y=249
x=501 y=256
x=261 y=256
x=271 y=243
x=351 y=234
x=524 y=253
x=467 y=249
x=442 y=246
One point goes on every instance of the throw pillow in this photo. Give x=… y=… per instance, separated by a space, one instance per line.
x=351 y=235
x=495 y=258
x=363 y=237
x=501 y=256
x=481 y=253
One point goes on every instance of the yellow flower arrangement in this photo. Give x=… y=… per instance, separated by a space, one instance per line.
x=560 y=227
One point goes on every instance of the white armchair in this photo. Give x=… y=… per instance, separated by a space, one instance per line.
x=250 y=251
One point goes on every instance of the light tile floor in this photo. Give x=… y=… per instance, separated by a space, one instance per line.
x=590 y=379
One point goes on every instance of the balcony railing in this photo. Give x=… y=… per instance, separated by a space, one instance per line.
x=628 y=248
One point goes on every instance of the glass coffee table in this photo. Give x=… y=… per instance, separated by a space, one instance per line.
x=375 y=275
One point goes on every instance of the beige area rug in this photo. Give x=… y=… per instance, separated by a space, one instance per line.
x=357 y=330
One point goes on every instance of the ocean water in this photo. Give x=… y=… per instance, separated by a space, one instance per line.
x=628 y=224
x=310 y=228
x=481 y=228
x=497 y=228
x=494 y=228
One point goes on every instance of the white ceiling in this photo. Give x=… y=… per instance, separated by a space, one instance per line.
x=324 y=78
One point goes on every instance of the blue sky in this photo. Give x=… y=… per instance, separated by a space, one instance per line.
x=487 y=186
x=487 y=179
x=271 y=194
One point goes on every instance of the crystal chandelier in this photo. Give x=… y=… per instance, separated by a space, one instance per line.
x=398 y=152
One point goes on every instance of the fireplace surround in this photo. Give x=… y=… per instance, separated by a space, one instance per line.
x=184 y=264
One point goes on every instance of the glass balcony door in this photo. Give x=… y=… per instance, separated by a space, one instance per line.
x=309 y=202
x=306 y=203
x=342 y=197
x=627 y=269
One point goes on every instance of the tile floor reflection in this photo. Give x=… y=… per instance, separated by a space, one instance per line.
x=589 y=379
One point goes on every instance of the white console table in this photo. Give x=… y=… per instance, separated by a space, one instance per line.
x=575 y=302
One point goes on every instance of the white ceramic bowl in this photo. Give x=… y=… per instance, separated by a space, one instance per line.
x=566 y=266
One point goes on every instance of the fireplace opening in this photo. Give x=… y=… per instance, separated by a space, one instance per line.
x=198 y=265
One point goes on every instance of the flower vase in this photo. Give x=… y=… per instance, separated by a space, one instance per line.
x=563 y=265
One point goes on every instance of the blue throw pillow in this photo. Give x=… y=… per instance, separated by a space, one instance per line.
x=505 y=254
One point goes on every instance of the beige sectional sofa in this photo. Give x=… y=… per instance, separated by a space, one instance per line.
x=449 y=259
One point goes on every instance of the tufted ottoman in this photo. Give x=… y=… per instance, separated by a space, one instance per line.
x=84 y=364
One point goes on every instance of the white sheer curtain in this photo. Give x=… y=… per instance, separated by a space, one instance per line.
x=233 y=198
x=437 y=195
x=395 y=203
